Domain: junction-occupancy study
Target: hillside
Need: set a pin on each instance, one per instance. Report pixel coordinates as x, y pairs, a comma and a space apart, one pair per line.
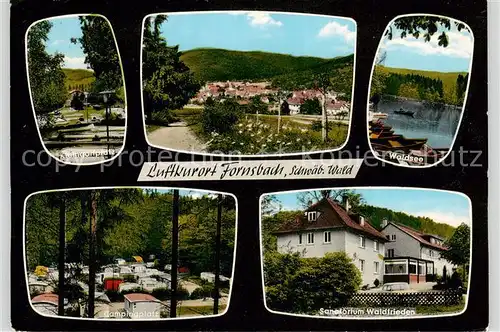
426, 225
448, 79
78, 77
221, 65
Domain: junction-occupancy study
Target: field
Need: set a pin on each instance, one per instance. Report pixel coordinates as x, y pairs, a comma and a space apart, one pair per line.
259, 134
77, 77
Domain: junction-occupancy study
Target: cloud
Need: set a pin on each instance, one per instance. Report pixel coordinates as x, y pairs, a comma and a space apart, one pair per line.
334, 28
260, 19
59, 42
449, 218
75, 63
460, 45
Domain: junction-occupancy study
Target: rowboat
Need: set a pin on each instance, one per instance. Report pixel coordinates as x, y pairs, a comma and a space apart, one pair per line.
381, 134
403, 112
397, 143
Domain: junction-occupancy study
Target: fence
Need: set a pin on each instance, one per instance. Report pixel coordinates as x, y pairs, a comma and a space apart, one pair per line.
406, 299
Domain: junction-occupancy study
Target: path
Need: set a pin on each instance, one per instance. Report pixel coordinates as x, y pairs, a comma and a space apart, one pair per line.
176, 136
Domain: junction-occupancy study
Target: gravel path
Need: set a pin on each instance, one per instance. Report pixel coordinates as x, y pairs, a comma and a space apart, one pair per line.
176, 136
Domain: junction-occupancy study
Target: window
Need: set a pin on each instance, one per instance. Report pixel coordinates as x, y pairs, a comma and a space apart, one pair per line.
421, 268
375, 245
310, 238
413, 267
362, 241
328, 237
375, 267
390, 253
431, 253
393, 237
312, 215
362, 265
396, 267
300, 238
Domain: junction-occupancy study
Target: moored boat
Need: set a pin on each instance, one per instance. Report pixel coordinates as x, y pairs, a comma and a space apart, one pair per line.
397, 143
403, 112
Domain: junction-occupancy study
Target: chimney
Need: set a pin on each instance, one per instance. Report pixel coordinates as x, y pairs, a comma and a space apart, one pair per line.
309, 203
362, 221
384, 222
345, 203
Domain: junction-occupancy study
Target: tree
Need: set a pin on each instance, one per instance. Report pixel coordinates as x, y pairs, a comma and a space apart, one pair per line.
458, 252
168, 83
77, 101
311, 106
101, 53
46, 77
306, 198
323, 84
423, 26
220, 117
304, 285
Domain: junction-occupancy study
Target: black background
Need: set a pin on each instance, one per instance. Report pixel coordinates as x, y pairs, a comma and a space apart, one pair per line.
246, 310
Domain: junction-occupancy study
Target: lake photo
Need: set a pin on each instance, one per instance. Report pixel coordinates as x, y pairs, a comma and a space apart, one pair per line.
419, 89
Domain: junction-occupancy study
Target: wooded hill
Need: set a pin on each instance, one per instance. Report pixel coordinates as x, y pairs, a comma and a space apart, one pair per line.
78, 78
420, 84
211, 64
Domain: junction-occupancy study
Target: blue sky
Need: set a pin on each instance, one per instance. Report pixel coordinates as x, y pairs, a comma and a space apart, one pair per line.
414, 53
293, 34
441, 206
63, 29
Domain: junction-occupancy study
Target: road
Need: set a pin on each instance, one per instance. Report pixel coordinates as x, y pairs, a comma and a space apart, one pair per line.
176, 136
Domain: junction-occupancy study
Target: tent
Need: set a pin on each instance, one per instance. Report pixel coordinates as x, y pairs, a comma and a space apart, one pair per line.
138, 259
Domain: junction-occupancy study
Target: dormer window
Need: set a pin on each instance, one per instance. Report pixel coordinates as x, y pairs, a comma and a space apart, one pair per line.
312, 215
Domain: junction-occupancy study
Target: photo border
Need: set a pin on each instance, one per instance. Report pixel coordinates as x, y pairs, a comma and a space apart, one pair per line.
354, 317
25, 260
249, 155
31, 95
464, 104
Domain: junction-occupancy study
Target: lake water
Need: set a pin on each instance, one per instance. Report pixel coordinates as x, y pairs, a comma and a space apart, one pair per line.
437, 125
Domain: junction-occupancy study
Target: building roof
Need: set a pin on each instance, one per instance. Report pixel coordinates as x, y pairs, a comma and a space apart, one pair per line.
419, 236
46, 298
139, 297
333, 216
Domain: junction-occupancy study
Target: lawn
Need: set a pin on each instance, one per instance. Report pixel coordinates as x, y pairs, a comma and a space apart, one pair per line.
199, 310
439, 309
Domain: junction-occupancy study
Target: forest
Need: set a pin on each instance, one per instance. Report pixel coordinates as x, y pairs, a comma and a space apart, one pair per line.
436, 87
130, 222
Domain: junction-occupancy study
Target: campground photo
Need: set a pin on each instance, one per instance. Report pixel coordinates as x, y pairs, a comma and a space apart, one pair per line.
130, 253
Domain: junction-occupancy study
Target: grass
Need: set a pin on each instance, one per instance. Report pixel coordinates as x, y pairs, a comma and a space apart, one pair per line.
199, 310
439, 309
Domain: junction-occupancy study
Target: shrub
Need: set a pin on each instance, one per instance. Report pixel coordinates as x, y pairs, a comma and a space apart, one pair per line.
220, 117
376, 282
304, 285
206, 290
316, 125
129, 278
163, 117
161, 293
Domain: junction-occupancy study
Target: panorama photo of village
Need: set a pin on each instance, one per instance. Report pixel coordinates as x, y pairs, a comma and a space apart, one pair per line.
247, 83
366, 253
77, 89
129, 253
419, 88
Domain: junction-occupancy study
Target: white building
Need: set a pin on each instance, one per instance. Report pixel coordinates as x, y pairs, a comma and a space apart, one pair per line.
142, 306
422, 253
329, 226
